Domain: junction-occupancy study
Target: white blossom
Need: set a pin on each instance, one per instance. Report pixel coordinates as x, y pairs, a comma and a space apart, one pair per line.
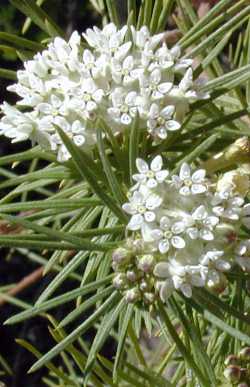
160, 121
150, 176
190, 183
193, 242
114, 78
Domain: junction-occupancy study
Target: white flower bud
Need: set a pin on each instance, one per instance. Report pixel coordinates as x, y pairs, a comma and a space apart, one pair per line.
146, 263
119, 281
132, 295
131, 275
121, 255
234, 181
143, 285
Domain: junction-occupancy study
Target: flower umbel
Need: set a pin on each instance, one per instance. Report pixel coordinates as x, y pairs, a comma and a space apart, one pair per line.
186, 223
69, 86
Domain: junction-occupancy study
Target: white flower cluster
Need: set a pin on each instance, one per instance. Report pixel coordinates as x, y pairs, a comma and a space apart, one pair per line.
124, 73
192, 224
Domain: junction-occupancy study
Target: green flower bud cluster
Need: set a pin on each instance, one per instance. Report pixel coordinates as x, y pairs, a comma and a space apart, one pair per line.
237, 369
134, 273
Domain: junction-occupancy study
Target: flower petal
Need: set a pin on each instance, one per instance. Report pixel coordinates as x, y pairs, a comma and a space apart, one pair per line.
135, 222
163, 246
185, 172
198, 189
141, 165
178, 242
198, 176
156, 164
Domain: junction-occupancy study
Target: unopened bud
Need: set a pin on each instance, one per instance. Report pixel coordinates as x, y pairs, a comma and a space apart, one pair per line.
236, 181
131, 275
239, 151
245, 353
132, 295
119, 281
232, 373
243, 374
143, 285
232, 360
218, 286
120, 255
149, 297
138, 246
146, 263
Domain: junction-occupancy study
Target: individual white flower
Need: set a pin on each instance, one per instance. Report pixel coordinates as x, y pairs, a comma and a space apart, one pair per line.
142, 38
202, 224
152, 85
161, 58
125, 72
243, 255
90, 95
184, 278
141, 206
190, 183
246, 215
109, 40
20, 126
227, 207
167, 235
233, 183
212, 267
124, 106
160, 121
150, 176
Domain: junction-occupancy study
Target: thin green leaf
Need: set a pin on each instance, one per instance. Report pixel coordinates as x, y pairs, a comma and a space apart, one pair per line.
183, 350
113, 182
84, 306
56, 301
59, 235
78, 159
19, 42
103, 332
49, 365
8, 74
122, 337
76, 333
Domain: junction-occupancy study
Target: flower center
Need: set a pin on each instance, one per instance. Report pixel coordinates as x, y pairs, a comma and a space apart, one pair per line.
124, 108
141, 209
150, 174
188, 182
160, 121
168, 234
87, 97
125, 72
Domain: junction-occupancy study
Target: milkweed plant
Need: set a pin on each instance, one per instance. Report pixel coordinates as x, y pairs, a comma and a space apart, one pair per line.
136, 188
